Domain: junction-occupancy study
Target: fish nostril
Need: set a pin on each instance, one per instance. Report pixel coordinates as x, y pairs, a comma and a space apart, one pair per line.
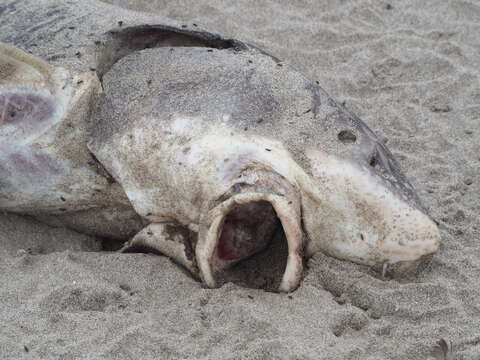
347, 137
372, 159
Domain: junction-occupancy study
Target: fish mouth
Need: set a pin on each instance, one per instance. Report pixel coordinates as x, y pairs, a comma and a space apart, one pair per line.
246, 225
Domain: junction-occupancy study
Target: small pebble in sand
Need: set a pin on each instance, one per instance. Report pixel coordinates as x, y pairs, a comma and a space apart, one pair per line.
459, 215
440, 108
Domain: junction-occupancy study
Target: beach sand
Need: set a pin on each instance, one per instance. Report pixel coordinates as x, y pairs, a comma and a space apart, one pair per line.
411, 71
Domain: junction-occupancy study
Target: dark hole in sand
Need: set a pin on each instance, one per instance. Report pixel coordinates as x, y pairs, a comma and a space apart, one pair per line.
261, 245
108, 244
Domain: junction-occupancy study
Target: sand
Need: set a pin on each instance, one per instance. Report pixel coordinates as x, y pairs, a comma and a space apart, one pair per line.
410, 70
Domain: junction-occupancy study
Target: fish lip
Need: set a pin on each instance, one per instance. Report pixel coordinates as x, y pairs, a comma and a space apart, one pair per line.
290, 220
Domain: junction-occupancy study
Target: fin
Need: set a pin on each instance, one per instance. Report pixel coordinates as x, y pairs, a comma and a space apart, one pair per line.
171, 240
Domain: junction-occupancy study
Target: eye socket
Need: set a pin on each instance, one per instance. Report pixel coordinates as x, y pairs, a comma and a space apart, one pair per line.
372, 159
347, 137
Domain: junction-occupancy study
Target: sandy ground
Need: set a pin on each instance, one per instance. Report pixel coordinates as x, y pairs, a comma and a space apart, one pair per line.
410, 69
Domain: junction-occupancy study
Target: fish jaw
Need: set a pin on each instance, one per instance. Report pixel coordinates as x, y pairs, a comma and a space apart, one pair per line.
210, 252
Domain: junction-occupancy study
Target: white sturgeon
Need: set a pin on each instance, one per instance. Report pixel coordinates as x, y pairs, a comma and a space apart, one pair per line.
193, 144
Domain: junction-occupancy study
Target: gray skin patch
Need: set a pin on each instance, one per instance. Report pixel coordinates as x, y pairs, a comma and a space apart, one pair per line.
259, 98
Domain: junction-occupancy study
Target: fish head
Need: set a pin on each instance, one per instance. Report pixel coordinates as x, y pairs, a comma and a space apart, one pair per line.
344, 207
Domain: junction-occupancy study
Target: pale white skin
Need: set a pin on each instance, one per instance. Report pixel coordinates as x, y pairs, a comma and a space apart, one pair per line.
178, 172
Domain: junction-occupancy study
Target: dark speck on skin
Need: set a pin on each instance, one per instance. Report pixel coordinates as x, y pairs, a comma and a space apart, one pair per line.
209, 50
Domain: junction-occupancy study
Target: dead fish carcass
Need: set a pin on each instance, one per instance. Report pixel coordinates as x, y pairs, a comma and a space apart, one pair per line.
201, 147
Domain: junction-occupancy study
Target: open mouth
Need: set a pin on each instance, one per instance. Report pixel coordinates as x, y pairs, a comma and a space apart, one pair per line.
245, 253
254, 240
246, 230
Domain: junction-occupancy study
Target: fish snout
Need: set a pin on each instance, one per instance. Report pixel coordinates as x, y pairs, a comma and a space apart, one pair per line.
414, 238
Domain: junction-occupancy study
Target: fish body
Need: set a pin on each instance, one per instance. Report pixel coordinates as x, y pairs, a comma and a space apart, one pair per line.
201, 147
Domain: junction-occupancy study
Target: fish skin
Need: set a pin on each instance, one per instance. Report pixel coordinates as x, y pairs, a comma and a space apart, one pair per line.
185, 126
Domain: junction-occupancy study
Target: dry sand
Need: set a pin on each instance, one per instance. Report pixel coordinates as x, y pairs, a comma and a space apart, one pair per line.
410, 69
